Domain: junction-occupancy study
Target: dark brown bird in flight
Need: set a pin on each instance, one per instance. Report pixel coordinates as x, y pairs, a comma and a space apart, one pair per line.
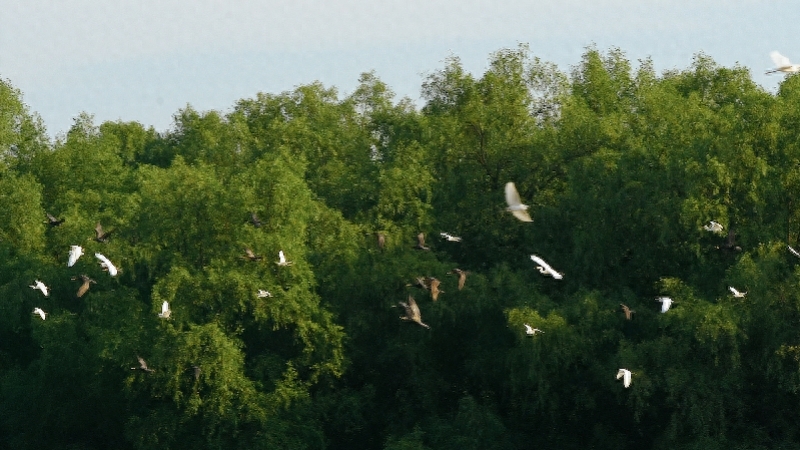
255, 221
628, 312
249, 255
85, 286
100, 235
52, 221
730, 242
434, 285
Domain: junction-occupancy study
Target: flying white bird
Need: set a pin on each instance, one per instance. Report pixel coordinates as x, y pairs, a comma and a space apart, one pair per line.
106, 264
515, 205
39, 311
782, 64
545, 268
263, 294
625, 374
793, 251
714, 227
282, 260
40, 286
165, 311
736, 293
75, 252
666, 302
450, 237
531, 331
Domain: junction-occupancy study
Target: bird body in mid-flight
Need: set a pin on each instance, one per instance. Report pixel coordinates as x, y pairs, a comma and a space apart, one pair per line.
282, 260
85, 286
421, 242
545, 268
100, 235
263, 294
434, 283
714, 227
782, 64
666, 303
41, 286
412, 312
628, 312
41, 313
530, 331
165, 311
449, 237
142, 365
106, 264
75, 252
515, 206
736, 293
793, 251
462, 277
625, 374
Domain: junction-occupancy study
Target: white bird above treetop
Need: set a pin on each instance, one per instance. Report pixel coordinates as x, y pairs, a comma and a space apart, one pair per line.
515, 205
545, 268
625, 374
40, 286
666, 302
75, 252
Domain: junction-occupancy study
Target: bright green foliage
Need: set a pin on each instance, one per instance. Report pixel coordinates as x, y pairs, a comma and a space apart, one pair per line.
621, 167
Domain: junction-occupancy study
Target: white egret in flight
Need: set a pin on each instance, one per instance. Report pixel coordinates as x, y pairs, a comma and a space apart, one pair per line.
545, 268
793, 251
714, 227
165, 311
666, 302
40, 286
736, 293
625, 374
105, 263
75, 252
782, 64
450, 237
530, 331
515, 205
282, 260
39, 311
263, 294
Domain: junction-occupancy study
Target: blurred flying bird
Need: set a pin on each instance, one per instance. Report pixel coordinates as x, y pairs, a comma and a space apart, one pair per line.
793, 251
782, 64
714, 227
263, 294
412, 312
100, 235
730, 242
142, 365
420, 282
625, 374
530, 331
249, 255
736, 293
105, 263
381, 240
282, 260
450, 237
421, 242
628, 312
40, 286
39, 311
434, 285
75, 252
666, 303
85, 286
462, 277
52, 221
255, 221
165, 311
515, 203
545, 268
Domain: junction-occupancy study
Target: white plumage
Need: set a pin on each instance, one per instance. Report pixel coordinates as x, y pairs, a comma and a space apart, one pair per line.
625, 374
782, 64
165, 311
263, 294
736, 293
714, 227
793, 251
40, 286
545, 268
450, 237
530, 331
41, 313
282, 260
106, 264
515, 205
75, 252
666, 302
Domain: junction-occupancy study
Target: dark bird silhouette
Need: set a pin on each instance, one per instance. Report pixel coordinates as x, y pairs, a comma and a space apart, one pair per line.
730, 243
249, 255
85, 286
52, 221
412, 312
462, 277
628, 312
142, 365
100, 235
255, 221
421, 242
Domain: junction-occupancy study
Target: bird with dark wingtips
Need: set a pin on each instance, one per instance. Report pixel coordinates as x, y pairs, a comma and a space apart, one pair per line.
250, 256
85, 286
142, 365
412, 312
434, 285
628, 312
100, 235
462, 277
255, 220
421, 242
52, 221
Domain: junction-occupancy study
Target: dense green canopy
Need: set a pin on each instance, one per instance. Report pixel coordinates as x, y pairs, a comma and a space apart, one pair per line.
621, 166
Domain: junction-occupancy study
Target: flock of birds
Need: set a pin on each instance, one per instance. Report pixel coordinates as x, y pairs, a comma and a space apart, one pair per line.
519, 210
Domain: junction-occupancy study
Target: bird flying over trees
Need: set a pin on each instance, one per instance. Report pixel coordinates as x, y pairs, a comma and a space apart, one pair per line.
434, 285
412, 312
106, 264
85, 286
421, 242
142, 365
41, 313
666, 303
75, 252
530, 331
628, 312
449, 237
714, 227
462, 277
782, 64
165, 311
250, 256
736, 293
52, 221
515, 205
625, 374
40, 286
545, 268
100, 235
282, 260
255, 220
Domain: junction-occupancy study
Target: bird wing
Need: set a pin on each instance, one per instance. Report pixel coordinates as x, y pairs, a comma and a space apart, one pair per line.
51, 218
620, 373
164, 307
98, 230
627, 380
74, 253
512, 196
281, 256
544, 265
794, 252
522, 215
421, 239
779, 60
416, 316
462, 279
84, 287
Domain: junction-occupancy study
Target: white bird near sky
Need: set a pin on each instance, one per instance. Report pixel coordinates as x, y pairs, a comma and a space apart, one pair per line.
666, 302
41, 313
530, 331
282, 260
736, 293
165, 311
450, 237
105, 263
40, 286
75, 252
625, 374
515, 205
545, 268
263, 294
782, 64
793, 251
714, 227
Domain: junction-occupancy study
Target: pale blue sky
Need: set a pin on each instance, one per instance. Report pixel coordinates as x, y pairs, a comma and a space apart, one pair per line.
143, 60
